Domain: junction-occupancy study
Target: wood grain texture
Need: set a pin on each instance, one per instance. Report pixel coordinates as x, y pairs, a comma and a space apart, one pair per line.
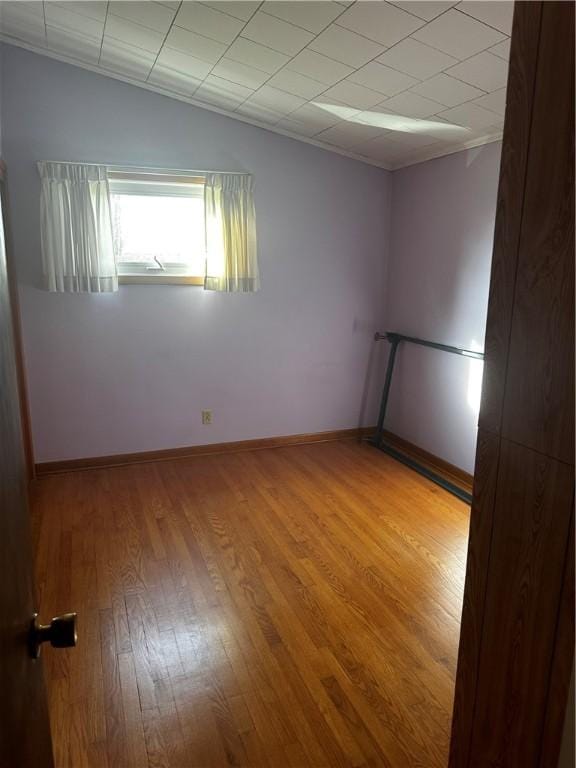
539, 407
532, 516
513, 165
562, 665
122, 459
479, 543
23, 709
26, 424
517, 635
289, 607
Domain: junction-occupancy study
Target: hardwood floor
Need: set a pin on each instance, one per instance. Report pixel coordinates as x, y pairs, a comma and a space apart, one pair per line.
288, 607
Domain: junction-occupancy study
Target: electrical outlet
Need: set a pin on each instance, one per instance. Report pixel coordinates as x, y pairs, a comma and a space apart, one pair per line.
206, 417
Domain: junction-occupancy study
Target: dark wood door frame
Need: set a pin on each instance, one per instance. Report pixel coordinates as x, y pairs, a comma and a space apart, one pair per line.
517, 637
24, 723
17, 326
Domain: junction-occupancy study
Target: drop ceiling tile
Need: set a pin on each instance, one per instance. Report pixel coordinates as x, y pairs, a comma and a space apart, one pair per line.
447, 131
502, 49
240, 9
277, 34
469, 116
308, 68
24, 21
133, 34
297, 84
223, 93
495, 14
399, 124
240, 73
172, 80
73, 44
295, 126
209, 22
499, 124
346, 135
383, 79
259, 113
447, 90
255, 55
315, 117
335, 108
183, 63
382, 148
407, 140
33, 8
410, 105
416, 59
495, 102
426, 9
458, 35
345, 46
201, 47
319, 67
353, 95
379, 21
312, 16
484, 71
148, 14
73, 23
275, 100
125, 59
95, 9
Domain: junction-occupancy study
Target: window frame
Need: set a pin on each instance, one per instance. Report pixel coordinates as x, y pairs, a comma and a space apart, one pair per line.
115, 181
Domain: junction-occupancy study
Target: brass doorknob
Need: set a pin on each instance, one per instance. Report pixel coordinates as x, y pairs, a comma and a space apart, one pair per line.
60, 633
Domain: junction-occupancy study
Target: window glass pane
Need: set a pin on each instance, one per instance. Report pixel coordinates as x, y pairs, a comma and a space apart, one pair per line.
158, 228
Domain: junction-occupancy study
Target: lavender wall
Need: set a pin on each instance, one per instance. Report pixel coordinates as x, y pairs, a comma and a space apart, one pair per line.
131, 371
441, 250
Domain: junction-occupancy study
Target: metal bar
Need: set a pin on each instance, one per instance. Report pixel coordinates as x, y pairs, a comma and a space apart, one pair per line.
433, 344
395, 339
446, 484
386, 391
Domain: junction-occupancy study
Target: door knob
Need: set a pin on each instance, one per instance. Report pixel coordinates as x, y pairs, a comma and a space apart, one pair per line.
60, 633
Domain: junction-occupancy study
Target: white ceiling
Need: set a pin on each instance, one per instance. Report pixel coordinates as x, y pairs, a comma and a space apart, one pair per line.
392, 83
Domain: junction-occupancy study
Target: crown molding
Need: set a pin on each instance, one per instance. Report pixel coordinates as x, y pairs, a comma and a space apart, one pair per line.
433, 154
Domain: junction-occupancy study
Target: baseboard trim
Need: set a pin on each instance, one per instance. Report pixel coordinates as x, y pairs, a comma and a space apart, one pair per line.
144, 457
444, 469
439, 466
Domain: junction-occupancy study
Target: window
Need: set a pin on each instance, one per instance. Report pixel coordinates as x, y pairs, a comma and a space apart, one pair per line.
158, 227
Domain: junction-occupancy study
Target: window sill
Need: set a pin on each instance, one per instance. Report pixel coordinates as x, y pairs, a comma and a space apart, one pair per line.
159, 280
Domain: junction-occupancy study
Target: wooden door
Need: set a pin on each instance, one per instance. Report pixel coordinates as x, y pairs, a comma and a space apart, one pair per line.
517, 636
24, 725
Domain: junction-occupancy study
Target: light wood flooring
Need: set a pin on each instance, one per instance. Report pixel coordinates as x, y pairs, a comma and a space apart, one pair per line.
286, 607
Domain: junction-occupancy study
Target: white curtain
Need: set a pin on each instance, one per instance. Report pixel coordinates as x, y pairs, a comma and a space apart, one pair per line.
76, 227
231, 262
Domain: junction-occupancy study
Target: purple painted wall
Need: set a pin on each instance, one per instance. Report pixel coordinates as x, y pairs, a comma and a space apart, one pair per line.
132, 371
442, 228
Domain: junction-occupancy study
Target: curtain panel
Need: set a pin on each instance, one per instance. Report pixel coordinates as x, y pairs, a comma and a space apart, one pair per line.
76, 229
231, 260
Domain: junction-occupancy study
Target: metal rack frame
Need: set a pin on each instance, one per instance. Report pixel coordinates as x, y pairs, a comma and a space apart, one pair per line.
377, 441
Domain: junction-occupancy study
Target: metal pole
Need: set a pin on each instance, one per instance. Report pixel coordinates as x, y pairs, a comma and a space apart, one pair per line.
432, 344
394, 341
